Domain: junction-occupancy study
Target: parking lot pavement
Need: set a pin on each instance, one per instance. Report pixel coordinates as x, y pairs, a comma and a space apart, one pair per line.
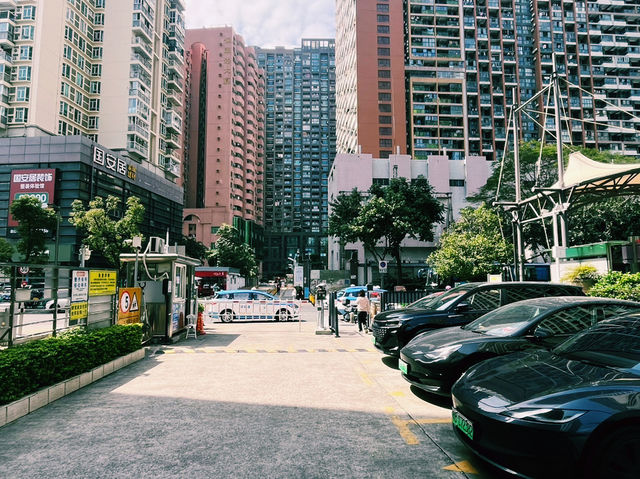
257, 399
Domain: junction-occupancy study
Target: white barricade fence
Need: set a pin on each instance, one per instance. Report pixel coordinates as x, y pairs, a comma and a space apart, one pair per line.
226, 310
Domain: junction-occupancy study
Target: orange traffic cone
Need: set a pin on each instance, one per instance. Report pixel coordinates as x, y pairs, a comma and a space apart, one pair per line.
200, 324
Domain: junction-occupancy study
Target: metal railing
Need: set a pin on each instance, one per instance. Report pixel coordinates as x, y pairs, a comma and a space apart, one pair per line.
36, 302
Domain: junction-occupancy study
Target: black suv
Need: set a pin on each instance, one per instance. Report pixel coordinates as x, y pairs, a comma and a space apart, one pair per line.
392, 330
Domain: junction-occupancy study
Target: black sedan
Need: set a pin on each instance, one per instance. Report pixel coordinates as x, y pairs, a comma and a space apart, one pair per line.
434, 360
570, 412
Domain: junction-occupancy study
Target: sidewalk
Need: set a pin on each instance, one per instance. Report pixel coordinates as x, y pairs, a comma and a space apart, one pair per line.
258, 399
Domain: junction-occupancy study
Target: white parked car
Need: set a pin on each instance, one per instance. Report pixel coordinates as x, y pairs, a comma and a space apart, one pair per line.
240, 304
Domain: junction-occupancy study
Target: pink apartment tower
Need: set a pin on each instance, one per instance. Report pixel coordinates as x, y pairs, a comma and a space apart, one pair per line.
224, 151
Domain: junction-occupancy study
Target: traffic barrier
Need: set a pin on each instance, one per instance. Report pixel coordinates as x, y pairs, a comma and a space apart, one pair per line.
239, 310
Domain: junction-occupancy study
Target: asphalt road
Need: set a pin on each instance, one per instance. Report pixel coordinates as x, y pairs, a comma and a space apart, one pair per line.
259, 399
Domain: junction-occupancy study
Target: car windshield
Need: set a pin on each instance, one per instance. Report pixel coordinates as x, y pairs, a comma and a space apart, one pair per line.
507, 320
614, 343
442, 301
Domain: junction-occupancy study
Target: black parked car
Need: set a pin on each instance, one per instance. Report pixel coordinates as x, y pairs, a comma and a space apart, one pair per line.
392, 330
434, 360
571, 412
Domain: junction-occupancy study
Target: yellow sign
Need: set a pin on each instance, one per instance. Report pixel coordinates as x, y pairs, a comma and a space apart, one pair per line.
102, 283
78, 311
129, 305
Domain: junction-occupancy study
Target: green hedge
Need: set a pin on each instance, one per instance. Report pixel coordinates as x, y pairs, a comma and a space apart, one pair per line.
26, 368
618, 285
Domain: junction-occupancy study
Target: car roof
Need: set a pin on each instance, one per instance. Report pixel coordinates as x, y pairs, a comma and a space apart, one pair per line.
559, 302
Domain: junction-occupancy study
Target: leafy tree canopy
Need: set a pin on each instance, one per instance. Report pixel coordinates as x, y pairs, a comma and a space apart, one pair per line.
471, 247
104, 232
35, 225
232, 252
194, 248
391, 213
6, 251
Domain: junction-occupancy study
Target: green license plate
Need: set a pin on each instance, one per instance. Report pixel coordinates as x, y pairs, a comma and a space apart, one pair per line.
402, 366
373, 339
462, 423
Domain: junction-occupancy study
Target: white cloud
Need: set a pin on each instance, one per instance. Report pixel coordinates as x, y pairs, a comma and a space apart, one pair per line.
266, 23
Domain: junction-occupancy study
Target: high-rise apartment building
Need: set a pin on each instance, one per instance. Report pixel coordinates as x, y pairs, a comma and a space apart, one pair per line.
111, 71
90, 99
466, 63
370, 81
300, 147
226, 137
597, 46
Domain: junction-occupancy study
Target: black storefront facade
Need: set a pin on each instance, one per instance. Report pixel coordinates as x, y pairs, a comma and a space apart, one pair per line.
84, 170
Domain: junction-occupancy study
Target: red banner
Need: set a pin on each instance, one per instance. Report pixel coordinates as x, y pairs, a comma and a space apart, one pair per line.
38, 183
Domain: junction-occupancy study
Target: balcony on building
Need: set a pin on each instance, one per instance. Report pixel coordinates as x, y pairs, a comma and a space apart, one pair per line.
141, 46
174, 98
172, 121
172, 140
138, 59
7, 27
175, 83
142, 28
137, 148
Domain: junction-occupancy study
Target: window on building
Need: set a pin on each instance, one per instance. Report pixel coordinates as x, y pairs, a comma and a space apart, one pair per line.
384, 52
384, 120
384, 73
28, 12
26, 33
386, 143
384, 85
457, 183
383, 18
383, 28
382, 7
383, 40
24, 73
384, 96
26, 52
384, 62
384, 107
385, 131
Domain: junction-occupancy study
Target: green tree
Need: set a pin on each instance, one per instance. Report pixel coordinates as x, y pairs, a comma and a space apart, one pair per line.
392, 213
6, 251
232, 252
344, 211
35, 225
104, 232
471, 247
194, 248
612, 218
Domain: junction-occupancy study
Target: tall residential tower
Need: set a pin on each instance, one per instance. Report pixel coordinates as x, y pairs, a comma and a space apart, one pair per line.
300, 147
226, 137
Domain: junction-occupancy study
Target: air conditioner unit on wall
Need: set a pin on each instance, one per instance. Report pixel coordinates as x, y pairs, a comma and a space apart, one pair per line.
156, 245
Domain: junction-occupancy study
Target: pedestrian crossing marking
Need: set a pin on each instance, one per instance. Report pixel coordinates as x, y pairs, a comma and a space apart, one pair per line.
213, 350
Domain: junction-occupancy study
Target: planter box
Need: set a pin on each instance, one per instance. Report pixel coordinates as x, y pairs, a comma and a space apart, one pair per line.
12, 411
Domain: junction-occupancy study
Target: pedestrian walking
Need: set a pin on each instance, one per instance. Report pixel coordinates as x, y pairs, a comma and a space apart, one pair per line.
362, 306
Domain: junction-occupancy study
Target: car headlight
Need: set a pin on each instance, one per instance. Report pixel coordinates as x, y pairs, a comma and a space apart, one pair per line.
441, 353
546, 415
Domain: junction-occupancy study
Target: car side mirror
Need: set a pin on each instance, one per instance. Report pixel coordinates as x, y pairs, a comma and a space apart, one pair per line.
462, 308
542, 333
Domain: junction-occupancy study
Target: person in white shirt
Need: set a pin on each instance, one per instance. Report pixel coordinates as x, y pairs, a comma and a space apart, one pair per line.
362, 306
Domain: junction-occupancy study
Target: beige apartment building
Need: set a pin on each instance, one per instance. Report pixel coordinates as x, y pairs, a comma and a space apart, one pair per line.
112, 71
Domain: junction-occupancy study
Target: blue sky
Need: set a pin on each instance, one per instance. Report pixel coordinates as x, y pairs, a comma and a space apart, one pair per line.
266, 23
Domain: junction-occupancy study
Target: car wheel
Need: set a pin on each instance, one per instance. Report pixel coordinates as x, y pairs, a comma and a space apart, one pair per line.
227, 316
283, 315
619, 455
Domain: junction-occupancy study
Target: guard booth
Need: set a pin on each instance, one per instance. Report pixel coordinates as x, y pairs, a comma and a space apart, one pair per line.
169, 292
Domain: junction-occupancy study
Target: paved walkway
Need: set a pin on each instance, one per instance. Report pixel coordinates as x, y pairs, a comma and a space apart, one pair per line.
258, 399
